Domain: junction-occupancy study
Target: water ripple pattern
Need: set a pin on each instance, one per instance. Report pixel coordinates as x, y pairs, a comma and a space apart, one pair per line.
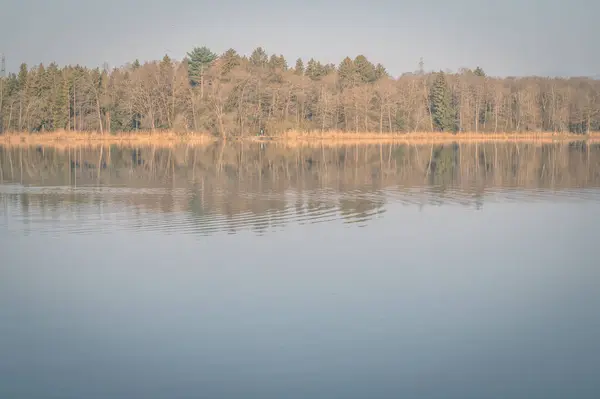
260, 189
54, 210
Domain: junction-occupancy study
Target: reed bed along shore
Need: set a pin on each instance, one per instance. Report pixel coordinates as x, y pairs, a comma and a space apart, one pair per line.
161, 138
291, 138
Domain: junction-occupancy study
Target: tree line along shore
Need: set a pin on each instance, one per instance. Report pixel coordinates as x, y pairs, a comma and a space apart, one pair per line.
230, 95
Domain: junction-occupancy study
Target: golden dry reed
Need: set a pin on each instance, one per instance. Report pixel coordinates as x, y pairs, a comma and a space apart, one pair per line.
65, 137
330, 138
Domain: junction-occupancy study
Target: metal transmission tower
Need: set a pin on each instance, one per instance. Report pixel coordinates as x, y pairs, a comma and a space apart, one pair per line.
2, 76
2, 66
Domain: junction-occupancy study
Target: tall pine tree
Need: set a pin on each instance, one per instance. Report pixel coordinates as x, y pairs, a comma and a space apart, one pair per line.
315, 70
365, 70
442, 113
199, 60
347, 73
299, 69
61, 104
259, 57
229, 60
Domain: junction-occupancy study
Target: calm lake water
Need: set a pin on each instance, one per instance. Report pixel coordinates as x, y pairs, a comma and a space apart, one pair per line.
260, 271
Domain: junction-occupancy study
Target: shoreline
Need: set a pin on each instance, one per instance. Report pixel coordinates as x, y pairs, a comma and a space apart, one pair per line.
290, 138
421, 138
87, 138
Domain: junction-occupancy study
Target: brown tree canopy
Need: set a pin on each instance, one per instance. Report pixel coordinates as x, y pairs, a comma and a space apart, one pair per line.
234, 95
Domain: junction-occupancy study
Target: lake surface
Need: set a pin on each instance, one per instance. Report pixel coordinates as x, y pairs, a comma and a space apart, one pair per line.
263, 271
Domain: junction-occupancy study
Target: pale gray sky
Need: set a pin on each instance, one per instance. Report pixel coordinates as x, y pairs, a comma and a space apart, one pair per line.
509, 37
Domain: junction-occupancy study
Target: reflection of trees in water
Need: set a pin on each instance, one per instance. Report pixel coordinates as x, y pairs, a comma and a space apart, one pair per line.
260, 187
360, 209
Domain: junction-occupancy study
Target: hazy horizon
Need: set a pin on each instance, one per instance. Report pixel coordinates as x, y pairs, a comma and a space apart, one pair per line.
548, 38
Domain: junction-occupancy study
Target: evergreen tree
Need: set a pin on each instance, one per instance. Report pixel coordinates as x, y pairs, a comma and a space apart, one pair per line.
347, 73
381, 72
479, 72
166, 62
36, 93
12, 84
365, 70
299, 69
60, 109
259, 57
136, 64
277, 62
52, 87
229, 60
34, 82
441, 104
315, 70
329, 68
283, 62
22, 77
199, 60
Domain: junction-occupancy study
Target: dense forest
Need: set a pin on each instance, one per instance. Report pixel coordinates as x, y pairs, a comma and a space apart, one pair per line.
234, 95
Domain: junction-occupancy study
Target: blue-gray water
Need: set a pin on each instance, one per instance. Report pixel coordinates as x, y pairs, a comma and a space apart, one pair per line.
249, 272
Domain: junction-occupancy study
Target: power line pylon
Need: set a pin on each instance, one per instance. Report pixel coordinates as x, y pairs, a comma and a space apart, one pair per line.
2, 66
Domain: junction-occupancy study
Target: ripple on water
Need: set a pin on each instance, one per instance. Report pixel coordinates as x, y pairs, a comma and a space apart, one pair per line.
104, 210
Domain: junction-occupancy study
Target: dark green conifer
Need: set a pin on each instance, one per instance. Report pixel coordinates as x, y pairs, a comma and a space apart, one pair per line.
441, 104
199, 60
299, 69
